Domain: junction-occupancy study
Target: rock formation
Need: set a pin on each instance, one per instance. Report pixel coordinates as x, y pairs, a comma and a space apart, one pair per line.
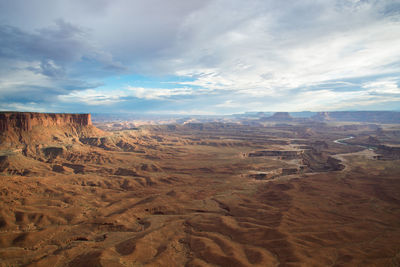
283, 154
279, 116
25, 121
322, 116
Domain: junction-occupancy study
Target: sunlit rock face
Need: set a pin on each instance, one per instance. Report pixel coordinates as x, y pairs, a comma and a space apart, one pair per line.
26, 120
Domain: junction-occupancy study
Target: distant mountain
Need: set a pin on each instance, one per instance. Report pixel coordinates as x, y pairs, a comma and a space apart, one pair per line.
345, 116
279, 116
302, 114
359, 116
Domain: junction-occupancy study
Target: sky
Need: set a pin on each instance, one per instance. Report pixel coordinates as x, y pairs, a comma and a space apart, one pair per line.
206, 57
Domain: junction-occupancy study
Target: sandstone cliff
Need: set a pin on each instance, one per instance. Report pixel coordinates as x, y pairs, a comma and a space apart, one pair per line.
25, 121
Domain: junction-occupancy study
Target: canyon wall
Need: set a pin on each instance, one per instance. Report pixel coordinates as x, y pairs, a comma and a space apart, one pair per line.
25, 121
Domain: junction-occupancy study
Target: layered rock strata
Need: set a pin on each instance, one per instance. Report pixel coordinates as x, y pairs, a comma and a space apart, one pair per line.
25, 121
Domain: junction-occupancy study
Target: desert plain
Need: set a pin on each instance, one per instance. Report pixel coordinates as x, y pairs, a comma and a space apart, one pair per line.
298, 193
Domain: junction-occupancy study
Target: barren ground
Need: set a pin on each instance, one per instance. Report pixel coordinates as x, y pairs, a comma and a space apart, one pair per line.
194, 196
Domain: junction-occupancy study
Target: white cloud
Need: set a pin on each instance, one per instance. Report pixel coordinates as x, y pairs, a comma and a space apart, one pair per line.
93, 97
383, 86
17, 74
108, 96
243, 55
272, 58
28, 107
159, 93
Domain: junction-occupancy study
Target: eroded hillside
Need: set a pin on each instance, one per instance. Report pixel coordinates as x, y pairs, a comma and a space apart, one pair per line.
213, 194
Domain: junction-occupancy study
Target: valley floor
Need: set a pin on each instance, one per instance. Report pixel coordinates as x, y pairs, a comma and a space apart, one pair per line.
201, 197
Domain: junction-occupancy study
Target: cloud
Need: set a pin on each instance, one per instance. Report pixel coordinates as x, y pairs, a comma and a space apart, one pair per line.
107, 97
226, 55
159, 93
62, 43
92, 97
384, 86
40, 65
286, 50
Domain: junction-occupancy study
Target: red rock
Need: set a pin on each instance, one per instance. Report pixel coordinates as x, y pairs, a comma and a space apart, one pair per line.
26, 120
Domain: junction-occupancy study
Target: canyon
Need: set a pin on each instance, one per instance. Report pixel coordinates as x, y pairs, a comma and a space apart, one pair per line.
275, 192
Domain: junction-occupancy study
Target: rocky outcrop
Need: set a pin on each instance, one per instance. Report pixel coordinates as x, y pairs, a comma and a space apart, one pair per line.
388, 152
279, 116
25, 121
272, 174
53, 152
322, 116
317, 161
108, 143
283, 154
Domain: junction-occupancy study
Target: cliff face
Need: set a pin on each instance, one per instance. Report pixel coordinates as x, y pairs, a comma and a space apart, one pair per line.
25, 121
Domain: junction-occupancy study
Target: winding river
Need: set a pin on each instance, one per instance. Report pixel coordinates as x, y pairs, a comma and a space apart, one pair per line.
342, 142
